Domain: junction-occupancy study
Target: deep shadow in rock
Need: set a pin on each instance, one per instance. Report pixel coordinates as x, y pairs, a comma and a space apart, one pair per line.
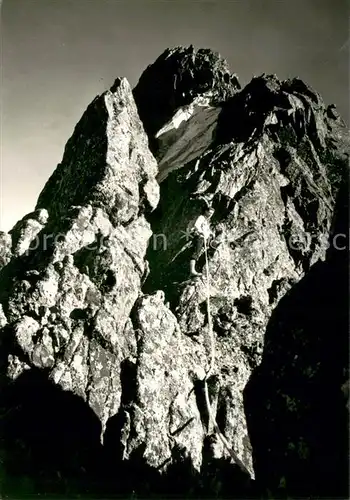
296, 410
174, 479
50, 441
221, 478
50, 448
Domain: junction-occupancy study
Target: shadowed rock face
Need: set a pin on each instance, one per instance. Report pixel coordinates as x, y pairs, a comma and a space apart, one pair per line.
102, 317
295, 400
50, 440
175, 79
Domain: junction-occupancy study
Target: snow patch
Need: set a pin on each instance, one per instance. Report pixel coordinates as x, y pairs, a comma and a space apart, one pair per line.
186, 136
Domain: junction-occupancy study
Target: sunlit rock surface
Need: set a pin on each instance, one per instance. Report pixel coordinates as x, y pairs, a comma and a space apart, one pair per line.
104, 335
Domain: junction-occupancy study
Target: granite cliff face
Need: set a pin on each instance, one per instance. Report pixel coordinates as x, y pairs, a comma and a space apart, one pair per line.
105, 339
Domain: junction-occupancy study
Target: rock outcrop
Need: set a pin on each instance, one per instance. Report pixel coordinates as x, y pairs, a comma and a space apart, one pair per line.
271, 179
78, 261
175, 79
296, 404
100, 318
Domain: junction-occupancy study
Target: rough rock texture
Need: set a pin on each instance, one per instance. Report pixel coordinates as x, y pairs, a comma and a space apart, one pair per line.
103, 353
297, 413
271, 180
5, 249
175, 79
67, 302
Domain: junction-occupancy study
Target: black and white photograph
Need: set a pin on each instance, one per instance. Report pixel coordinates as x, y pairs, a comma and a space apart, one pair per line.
174, 249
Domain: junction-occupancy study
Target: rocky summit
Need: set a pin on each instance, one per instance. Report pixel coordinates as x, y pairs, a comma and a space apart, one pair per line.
124, 376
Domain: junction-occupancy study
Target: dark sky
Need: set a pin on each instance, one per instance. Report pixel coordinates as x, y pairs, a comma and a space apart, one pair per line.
58, 54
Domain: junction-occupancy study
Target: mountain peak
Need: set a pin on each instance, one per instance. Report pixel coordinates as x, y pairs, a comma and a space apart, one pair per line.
107, 332
177, 77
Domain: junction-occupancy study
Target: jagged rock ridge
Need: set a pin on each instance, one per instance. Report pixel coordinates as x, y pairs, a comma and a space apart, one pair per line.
175, 79
77, 313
